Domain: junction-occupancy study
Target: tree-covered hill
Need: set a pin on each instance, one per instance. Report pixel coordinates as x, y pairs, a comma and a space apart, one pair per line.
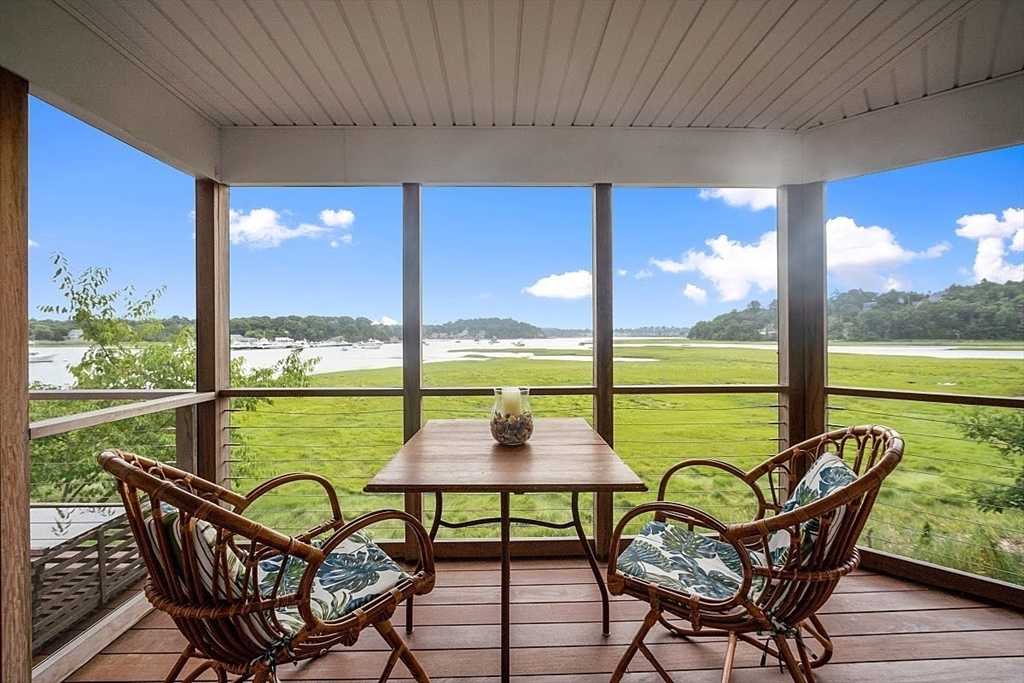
502, 328
985, 311
754, 323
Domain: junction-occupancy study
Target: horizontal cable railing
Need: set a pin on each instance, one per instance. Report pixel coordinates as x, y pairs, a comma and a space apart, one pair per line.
349, 434
954, 500
344, 438
654, 432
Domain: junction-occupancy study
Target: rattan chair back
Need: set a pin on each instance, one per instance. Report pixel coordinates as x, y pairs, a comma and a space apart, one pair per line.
203, 558
796, 588
790, 555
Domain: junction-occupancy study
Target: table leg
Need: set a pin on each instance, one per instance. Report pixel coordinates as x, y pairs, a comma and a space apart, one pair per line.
438, 505
578, 524
506, 532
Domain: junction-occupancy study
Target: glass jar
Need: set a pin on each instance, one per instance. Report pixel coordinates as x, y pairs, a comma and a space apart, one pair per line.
511, 417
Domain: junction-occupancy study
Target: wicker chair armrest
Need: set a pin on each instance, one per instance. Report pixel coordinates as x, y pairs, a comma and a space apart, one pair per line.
423, 578
719, 465
292, 477
690, 516
425, 547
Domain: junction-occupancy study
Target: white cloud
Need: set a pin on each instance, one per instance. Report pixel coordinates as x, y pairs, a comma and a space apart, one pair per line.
755, 199
643, 274
733, 267
992, 234
32, 243
893, 283
623, 272
344, 239
859, 256
262, 228
695, 293
572, 285
385, 320
342, 218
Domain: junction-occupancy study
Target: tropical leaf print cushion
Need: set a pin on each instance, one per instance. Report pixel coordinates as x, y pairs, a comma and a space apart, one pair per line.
356, 572
828, 474
685, 561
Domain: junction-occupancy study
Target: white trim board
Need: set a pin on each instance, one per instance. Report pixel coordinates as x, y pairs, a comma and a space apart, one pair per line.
92, 641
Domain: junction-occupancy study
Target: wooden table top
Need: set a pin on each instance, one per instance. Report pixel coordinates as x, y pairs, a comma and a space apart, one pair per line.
460, 456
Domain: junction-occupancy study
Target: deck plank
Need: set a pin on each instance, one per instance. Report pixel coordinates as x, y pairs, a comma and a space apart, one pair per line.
884, 629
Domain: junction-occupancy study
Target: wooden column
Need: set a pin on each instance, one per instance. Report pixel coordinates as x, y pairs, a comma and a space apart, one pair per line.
213, 351
412, 332
604, 381
185, 438
15, 583
802, 311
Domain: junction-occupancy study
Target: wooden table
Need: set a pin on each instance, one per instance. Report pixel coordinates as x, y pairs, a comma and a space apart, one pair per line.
565, 455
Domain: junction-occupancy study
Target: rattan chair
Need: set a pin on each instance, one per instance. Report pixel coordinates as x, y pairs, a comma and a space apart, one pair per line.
247, 597
768, 576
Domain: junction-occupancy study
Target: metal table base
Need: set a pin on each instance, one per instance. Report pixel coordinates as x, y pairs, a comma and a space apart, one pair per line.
506, 521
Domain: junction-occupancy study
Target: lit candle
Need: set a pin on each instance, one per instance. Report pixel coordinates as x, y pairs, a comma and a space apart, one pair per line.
511, 401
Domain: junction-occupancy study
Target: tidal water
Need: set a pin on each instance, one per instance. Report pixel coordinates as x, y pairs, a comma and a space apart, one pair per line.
336, 359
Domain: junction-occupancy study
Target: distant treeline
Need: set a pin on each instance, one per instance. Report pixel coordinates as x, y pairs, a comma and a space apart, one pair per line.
650, 331
322, 328
502, 328
58, 330
314, 328
983, 311
987, 311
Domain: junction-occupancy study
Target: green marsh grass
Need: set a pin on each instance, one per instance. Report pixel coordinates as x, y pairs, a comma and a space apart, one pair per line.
926, 509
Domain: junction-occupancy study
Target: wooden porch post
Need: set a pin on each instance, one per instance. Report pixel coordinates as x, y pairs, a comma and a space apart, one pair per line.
412, 333
213, 351
802, 311
604, 381
15, 585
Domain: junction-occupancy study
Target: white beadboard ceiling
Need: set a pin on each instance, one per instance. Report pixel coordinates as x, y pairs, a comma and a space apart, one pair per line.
787, 65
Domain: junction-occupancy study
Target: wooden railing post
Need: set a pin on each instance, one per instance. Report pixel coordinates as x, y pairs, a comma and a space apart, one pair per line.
213, 351
15, 582
802, 312
412, 334
101, 564
604, 381
185, 438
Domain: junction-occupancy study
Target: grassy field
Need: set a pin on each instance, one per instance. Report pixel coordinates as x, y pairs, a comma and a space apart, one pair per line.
926, 509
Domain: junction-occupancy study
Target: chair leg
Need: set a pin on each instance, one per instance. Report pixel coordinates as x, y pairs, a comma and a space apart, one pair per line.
791, 662
172, 675
263, 674
401, 651
674, 630
805, 660
386, 674
817, 630
730, 655
638, 644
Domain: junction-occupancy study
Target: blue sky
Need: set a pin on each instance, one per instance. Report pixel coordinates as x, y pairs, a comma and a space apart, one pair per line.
681, 255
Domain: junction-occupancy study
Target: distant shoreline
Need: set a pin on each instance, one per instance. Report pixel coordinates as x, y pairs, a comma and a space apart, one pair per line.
579, 349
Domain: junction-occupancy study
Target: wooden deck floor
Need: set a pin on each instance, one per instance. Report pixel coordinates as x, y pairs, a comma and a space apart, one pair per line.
884, 629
